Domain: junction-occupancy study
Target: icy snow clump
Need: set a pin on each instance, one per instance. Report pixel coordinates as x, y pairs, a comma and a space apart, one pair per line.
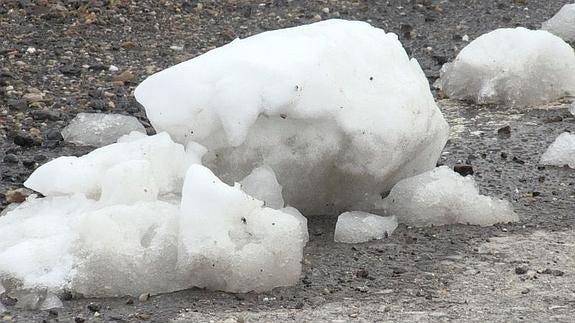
358, 227
561, 152
518, 67
96, 129
337, 109
262, 184
115, 222
442, 196
231, 242
563, 23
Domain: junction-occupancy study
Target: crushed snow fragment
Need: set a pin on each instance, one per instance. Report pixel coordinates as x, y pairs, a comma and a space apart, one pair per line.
358, 227
262, 184
518, 67
337, 109
51, 302
561, 152
442, 196
96, 129
563, 23
238, 245
113, 68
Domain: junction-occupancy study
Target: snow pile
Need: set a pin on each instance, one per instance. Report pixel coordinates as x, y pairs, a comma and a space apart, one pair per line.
358, 227
561, 152
111, 225
239, 245
563, 23
95, 129
336, 108
511, 66
442, 196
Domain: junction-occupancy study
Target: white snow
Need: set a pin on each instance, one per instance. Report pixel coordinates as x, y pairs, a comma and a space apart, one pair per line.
96, 129
561, 152
119, 168
262, 184
442, 196
50, 302
358, 227
563, 23
119, 229
337, 109
237, 245
518, 67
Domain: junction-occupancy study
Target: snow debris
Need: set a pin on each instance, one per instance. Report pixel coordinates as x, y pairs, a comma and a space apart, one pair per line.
50, 302
442, 196
561, 152
336, 108
563, 23
96, 129
358, 227
518, 67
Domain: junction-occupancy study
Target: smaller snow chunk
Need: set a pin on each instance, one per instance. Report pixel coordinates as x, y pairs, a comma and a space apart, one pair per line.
561, 152
358, 227
95, 129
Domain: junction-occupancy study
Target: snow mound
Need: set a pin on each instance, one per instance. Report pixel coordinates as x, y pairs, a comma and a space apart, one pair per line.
358, 227
239, 245
262, 184
126, 228
337, 109
442, 196
563, 23
96, 129
561, 152
518, 67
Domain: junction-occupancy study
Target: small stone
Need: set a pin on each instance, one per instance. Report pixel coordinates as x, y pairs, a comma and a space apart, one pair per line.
504, 133
54, 134
362, 273
113, 68
31, 50
24, 140
79, 319
124, 77
94, 307
521, 270
554, 272
325, 10
299, 305
45, 115
316, 18
464, 170
525, 291
11, 159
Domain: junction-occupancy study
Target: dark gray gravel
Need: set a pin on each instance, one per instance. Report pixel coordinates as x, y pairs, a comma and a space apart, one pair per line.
461, 273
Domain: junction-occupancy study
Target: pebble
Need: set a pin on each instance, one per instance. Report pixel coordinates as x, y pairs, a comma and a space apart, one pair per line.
11, 159
94, 307
24, 140
144, 297
17, 195
464, 170
113, 68
521, 270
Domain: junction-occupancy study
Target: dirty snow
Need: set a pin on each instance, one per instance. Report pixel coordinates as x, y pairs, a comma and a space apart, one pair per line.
358, 227
518, 67
442, 196
337, 109
563, 23
95, 129
561, 152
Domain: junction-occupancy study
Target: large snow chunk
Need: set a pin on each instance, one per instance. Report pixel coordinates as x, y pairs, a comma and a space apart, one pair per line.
511, 66
96, 129
262, 184
83, 245
337, 109
231, 242
563, 23
162, 165
442, 196
358, 227
561, 152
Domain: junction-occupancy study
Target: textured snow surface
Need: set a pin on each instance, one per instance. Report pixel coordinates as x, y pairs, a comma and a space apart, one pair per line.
513, 67
262, 184
119, 229
357, 227
561, 152
563, 23
442, 196
337, 109
238, 245
95, 129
